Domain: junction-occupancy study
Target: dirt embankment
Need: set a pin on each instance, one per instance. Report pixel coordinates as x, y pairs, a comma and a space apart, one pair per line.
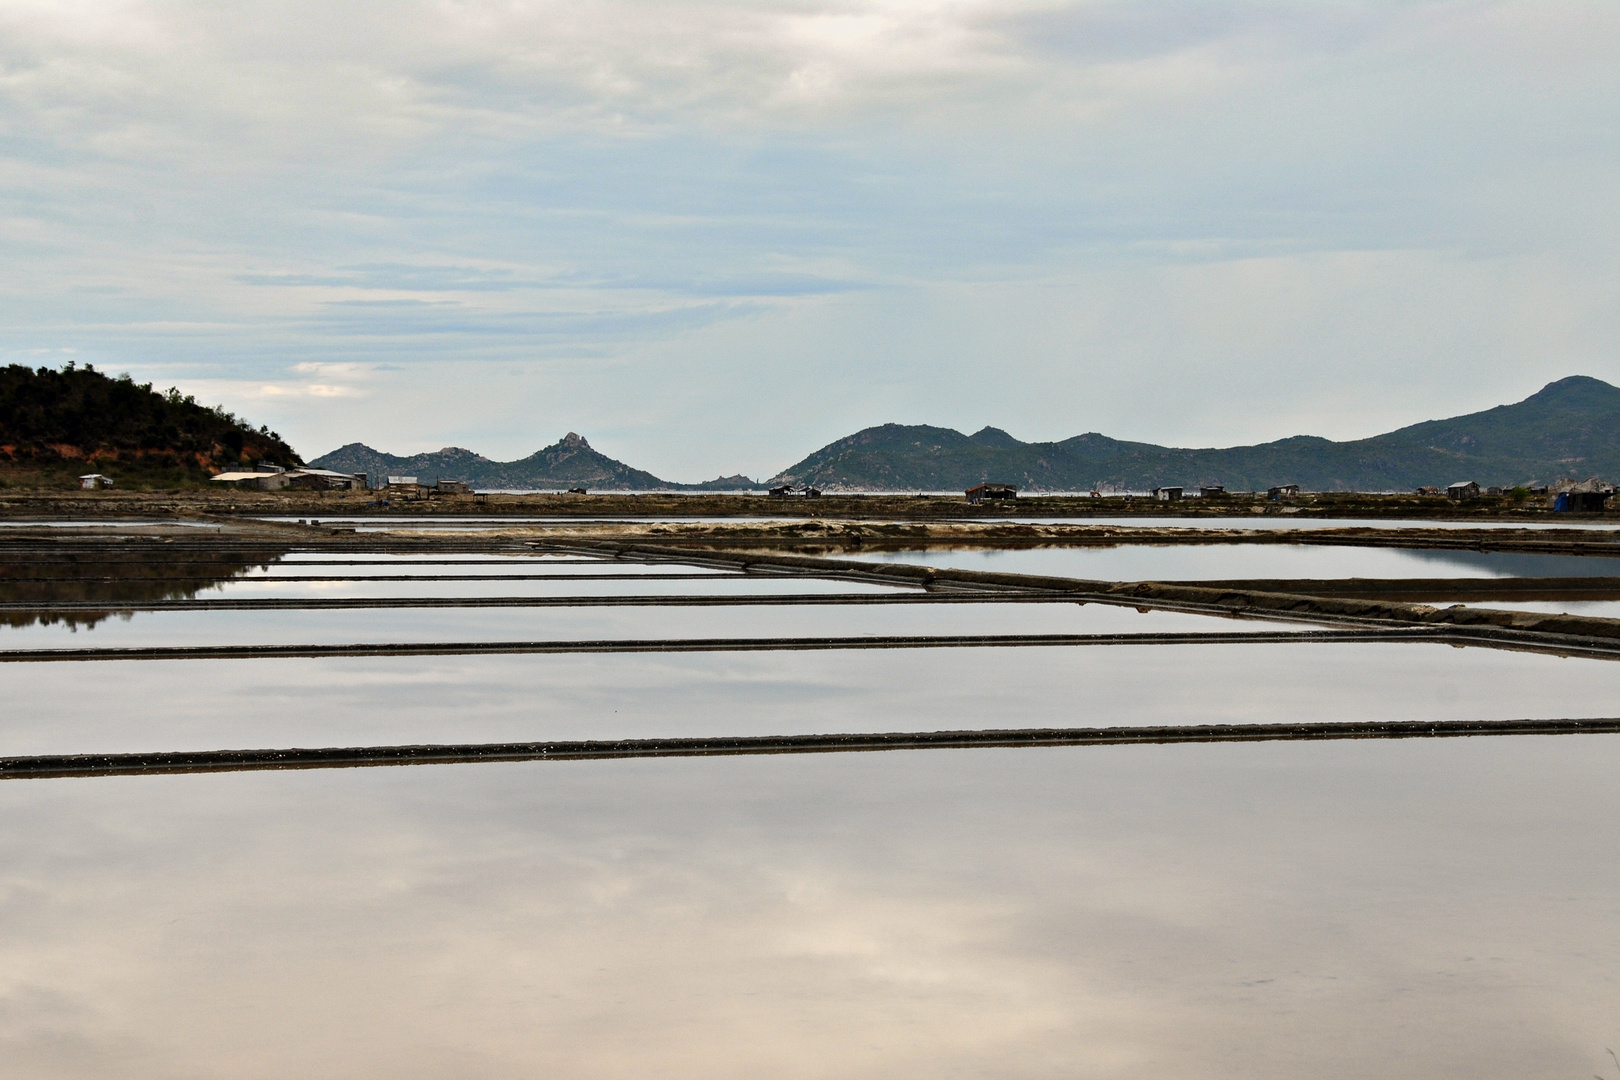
814, 536
1566, 634
18, 501
831, 537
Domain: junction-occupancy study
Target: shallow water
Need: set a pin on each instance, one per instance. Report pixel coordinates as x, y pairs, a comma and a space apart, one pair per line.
736, 585
132, 706
1179, 562
1343, 910
1422, 908
319, 627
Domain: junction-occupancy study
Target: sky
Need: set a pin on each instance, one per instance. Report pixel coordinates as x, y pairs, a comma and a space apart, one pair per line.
712, 237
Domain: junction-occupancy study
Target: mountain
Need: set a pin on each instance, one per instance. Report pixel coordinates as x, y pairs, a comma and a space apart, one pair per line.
78, 420
570, 462
1569, 427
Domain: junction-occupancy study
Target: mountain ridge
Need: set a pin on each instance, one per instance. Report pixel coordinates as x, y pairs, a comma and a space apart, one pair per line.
1568, 427
569, 462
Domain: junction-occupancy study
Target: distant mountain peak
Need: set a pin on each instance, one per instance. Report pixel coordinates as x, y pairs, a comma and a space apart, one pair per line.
1575, 389
993, 436
569, 462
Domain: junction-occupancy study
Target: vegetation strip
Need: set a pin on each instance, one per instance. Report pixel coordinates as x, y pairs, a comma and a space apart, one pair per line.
49, 766
633, 645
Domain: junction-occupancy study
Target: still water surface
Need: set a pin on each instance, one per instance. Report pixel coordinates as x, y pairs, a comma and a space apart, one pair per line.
1171, 562
1254, 912
217, 704
317, 627
1347, 909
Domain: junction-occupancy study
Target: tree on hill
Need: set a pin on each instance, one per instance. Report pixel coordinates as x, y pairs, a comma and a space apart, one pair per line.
53, 421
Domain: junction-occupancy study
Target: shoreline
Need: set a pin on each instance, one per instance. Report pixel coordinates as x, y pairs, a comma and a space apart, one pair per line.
110, 505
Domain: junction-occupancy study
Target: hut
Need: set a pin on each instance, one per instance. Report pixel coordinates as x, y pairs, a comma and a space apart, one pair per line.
989, 493
1282, 491
263, 481
407, 486
1167, 494
453, 487
325, 480
1588, 497
1462, 489
95, 481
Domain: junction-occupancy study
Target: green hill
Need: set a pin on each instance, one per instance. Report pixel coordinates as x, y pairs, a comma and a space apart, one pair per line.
58, 423
1569, 428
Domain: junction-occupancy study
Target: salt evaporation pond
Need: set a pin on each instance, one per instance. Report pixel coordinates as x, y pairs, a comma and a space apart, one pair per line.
1412, 910
1421, 908
1194, 562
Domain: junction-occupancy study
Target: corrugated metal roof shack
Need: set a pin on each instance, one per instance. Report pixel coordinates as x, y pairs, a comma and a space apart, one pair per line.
1462, 489
1581, 502
1590, 496
986, 492
274, 479
406, 487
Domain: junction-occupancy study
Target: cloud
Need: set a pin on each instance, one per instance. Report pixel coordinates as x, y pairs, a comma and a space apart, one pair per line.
698, 196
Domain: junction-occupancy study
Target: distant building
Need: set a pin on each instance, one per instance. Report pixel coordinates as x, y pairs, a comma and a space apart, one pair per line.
1428, 491
1590, 496
1167, 494
1462, 489
406, 487
990, 492
263, 480
1580, 502
789, 491
1209, 491
94, 481
1282, 491
578, 491
453, 487
275, 478
1494, 491
1590, 484
326, 480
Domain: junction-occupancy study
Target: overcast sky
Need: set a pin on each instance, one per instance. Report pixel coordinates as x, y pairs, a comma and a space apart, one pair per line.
712, 237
